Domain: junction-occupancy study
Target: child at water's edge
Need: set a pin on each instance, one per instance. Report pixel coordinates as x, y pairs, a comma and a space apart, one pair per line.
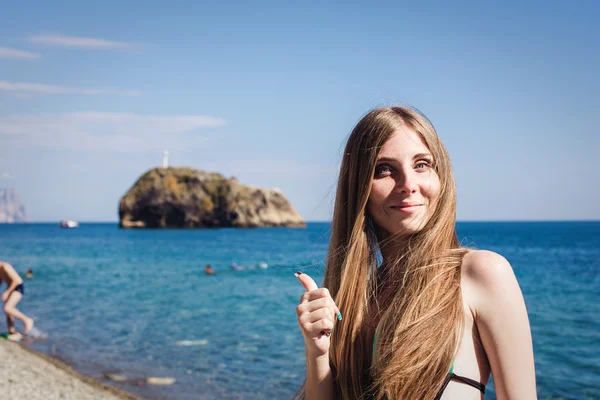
11, 297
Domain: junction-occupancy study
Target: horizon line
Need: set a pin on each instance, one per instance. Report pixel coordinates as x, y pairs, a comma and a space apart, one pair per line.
318, 221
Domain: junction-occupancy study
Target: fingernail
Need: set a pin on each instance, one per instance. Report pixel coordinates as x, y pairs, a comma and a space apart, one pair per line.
298, 274
339, 316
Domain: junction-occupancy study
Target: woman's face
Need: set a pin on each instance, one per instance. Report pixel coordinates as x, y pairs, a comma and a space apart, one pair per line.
405, 186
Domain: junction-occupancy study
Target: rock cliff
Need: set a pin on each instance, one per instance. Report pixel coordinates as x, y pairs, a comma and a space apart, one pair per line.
11, 208
188, 198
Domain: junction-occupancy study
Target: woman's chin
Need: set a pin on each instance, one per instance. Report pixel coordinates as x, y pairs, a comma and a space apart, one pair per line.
406, 228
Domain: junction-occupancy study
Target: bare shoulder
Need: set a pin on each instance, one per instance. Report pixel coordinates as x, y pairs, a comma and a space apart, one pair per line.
6, 269
488, 276
500, 314
5, 266
484, 268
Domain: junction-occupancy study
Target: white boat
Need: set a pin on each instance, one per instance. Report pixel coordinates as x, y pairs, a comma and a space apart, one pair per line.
69, 224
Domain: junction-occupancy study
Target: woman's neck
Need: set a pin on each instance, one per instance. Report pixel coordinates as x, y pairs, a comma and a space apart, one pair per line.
393, 247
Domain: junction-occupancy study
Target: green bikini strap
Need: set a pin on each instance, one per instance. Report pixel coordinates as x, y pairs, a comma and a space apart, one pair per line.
375, 344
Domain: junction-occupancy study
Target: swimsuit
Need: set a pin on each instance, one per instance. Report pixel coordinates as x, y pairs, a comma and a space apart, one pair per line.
468, 381
20, 288
451, 375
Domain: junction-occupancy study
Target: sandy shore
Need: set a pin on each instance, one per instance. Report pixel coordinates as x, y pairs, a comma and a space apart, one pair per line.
26, 374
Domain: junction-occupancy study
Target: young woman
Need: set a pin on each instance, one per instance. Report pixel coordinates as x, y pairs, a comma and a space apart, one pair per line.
423, 317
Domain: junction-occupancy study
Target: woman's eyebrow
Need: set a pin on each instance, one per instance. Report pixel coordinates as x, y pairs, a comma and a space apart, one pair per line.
386, 159
415, 157
422, 155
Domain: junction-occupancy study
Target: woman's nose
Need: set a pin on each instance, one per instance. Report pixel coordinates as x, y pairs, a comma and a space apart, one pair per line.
406, 182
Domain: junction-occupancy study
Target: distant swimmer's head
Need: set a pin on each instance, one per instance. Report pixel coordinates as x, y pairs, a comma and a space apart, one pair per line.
208, 270
29, 273
395, 172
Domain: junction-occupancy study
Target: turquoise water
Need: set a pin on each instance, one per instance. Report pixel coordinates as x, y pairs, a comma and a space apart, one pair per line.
137, 302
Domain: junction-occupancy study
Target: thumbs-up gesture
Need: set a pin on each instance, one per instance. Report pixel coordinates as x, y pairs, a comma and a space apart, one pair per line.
317, 314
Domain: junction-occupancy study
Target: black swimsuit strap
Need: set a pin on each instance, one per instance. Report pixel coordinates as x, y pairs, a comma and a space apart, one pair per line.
462, 379
446, 382
469, 381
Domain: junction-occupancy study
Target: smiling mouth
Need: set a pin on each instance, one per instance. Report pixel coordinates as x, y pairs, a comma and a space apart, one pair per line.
407, 208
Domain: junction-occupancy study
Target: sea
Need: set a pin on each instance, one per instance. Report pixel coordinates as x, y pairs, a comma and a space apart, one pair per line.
124, 305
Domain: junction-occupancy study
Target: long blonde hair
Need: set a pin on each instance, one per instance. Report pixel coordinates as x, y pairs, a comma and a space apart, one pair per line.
422, 317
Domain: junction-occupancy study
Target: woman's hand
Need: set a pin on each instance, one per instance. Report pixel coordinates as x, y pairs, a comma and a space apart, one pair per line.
317, 314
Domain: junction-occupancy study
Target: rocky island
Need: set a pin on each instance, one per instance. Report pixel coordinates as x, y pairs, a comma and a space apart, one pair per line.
11, 208
189, 198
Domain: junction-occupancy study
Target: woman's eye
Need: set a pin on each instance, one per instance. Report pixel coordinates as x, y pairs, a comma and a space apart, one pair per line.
382, 169
422, 165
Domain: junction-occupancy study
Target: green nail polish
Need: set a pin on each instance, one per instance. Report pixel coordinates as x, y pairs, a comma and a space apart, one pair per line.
339, 316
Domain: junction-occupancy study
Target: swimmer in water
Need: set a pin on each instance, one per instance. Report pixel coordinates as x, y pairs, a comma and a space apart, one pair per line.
236, 267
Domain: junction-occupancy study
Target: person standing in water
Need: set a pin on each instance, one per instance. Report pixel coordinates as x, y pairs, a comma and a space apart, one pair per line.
11, 297
424, 317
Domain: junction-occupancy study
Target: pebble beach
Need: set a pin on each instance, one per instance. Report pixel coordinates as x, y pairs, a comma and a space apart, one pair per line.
27, 374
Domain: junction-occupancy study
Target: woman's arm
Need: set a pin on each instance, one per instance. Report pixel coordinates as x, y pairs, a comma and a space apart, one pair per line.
319, 382
501, 318
317, 314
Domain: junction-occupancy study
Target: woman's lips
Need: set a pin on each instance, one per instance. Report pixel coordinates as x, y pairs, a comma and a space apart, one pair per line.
407, 208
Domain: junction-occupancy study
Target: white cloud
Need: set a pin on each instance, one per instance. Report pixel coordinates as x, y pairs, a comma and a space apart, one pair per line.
103, 131
6, 52
78, 42
23, 89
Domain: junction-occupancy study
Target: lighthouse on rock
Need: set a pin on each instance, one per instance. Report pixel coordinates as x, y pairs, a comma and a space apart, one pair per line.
165, 159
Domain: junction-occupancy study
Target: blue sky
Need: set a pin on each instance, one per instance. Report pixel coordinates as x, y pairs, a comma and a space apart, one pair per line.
91, 93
